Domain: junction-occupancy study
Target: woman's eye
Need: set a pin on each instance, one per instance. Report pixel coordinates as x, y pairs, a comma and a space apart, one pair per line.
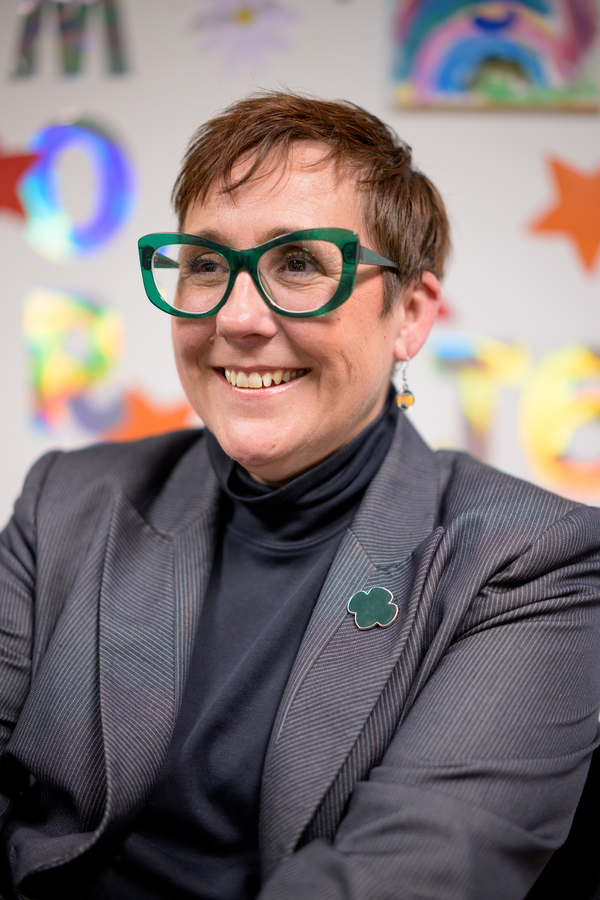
300, 263
297, 265
203, 265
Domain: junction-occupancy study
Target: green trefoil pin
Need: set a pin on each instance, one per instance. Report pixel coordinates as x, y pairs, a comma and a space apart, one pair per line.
375, 608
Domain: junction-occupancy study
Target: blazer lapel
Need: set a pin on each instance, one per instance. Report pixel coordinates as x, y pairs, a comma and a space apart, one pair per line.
154, 578
136, 657
340, 671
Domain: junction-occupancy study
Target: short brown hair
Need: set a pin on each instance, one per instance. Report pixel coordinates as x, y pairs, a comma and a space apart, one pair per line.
403, 213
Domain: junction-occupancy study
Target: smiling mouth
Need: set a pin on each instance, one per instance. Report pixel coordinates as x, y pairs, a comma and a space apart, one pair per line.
256, 380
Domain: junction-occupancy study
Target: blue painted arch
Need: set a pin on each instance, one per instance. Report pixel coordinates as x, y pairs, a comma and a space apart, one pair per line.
469, 55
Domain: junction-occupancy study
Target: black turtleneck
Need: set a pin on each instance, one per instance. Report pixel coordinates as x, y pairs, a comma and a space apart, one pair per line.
197, 837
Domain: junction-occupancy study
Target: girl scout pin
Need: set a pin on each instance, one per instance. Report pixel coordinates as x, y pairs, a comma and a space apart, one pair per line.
374, 608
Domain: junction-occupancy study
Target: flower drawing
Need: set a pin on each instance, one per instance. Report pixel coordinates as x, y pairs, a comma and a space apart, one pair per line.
246, 31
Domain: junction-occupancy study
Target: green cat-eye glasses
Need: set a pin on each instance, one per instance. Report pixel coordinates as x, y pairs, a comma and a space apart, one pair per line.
301, 274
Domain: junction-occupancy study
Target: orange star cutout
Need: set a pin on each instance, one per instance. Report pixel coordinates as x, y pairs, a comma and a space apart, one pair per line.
141, 418
577, 211
11, 170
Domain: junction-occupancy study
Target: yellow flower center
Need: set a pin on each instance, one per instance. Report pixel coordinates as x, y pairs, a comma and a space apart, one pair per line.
244, 15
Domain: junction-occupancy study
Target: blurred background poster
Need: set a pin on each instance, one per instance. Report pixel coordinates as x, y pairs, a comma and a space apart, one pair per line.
499, 102
521, 54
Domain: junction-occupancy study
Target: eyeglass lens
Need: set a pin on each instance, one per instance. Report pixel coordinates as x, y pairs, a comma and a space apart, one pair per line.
296, 277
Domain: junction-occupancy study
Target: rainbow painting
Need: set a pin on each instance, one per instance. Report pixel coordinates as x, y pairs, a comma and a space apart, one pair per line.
536, 54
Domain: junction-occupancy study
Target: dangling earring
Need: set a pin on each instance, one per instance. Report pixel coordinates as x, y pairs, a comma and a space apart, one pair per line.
405, 398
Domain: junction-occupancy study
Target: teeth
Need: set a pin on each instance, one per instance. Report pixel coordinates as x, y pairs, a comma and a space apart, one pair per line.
254, 380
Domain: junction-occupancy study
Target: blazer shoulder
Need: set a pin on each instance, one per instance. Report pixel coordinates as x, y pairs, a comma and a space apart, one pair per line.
138, 469
475, 491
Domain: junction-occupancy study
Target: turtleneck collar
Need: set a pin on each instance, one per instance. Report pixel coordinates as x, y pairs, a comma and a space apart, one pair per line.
315, 504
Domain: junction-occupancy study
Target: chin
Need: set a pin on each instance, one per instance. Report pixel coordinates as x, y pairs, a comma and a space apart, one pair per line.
250, 454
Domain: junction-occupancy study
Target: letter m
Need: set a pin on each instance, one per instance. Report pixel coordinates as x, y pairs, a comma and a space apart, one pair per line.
72, 21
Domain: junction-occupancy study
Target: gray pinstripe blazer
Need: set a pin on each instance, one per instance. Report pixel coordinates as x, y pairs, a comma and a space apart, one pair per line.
441, 757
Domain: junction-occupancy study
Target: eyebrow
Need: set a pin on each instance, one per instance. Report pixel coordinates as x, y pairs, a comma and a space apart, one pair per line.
210, 235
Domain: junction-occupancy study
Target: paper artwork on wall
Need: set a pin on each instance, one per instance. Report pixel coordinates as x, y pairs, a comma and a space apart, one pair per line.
50, 228
244, 31
562, 404
483, 367
142, 417
12, 168
70, 22
75, 348
558, 408
576, 213
505, 53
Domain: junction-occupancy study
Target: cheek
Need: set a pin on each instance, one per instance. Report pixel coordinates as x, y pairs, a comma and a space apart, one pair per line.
335, 341
362, 347
190, 339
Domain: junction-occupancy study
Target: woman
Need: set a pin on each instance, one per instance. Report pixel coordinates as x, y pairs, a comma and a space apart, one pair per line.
296, 654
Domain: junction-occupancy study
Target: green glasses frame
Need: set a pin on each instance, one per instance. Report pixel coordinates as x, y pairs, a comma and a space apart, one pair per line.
247, 261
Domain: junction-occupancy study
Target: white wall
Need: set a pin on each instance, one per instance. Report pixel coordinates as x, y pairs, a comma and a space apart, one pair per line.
504, 282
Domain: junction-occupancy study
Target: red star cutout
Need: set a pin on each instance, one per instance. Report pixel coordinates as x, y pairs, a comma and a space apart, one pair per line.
143, 418
445, 311
11, 170
577, 211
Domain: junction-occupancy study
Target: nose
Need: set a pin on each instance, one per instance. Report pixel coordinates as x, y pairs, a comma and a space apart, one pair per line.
245, 314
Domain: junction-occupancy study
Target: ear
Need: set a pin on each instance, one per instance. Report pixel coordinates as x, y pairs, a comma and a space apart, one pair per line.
419, 303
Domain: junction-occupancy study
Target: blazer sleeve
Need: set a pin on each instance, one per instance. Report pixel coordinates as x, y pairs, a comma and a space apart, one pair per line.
18, 559
481, 781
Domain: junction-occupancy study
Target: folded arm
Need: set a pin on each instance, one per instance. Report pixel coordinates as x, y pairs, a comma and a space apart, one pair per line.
480, 783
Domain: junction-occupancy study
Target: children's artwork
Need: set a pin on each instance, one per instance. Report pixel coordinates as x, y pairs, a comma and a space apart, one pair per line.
70, 22
559, 404
562, 403
74, 348
483, 367
246, 31
576, 212
50, 228
12, 168
141, 417
504, 53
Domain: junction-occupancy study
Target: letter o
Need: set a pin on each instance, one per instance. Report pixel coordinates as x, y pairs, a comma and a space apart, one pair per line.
50, 229
562, 396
